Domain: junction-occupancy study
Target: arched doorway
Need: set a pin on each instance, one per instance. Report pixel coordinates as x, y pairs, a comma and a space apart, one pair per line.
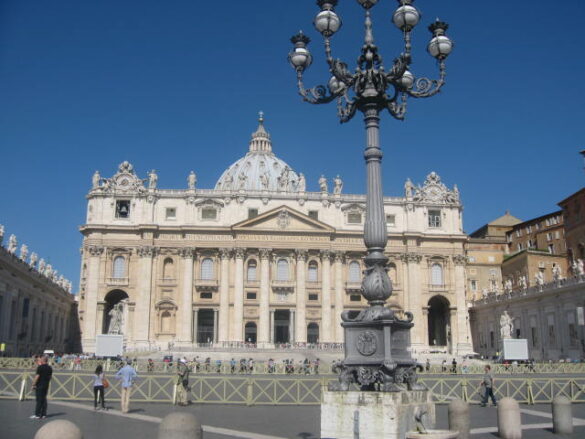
114, 312
250, 332
312, 333
439, 324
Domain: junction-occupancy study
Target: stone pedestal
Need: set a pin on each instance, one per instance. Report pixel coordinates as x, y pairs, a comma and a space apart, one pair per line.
388, 415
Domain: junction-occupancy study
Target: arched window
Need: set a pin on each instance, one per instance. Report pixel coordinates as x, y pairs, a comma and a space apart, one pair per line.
354, 271
252, 269
436, 274
207, 269
119, 269
282, 269
313, 272
165, 322
168, 269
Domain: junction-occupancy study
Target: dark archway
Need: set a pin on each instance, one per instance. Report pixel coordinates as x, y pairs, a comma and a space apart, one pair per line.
312, 333
439, 321
250, 332
205, 326
112, 298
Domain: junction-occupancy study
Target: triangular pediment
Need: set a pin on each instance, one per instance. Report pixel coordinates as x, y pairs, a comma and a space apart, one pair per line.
283, 219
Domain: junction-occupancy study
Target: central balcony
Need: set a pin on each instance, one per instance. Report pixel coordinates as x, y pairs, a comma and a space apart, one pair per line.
118, 281
353, 287
205, 285
283, 285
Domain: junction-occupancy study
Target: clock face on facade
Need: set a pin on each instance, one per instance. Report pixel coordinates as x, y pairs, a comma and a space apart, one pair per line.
123, 182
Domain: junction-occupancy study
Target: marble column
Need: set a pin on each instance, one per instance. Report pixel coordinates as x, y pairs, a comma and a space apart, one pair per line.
339, 296
414, 283
291, 327
325, 332
215, 325
144, 296
301, 318
271, 335
238, 317
195, 324
425, 326
91, 298
186, 324
224, 295
462, 341
101, 307
266, 317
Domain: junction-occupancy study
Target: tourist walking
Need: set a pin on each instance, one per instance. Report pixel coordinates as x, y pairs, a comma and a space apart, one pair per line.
99, 384
40, 385
454, 366
182, 383
488, 384
127, 375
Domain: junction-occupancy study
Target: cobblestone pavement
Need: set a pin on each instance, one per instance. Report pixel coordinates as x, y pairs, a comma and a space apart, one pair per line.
225, 422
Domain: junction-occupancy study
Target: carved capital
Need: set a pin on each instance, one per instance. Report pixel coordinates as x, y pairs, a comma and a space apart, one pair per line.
240, 253
265, 253
225, 253
460, 259
95, 250
411, 258
301, 254
339, 257
147, 251
187, 252
326, 254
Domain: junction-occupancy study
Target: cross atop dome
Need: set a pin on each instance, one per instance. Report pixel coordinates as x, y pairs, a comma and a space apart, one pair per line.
261, 139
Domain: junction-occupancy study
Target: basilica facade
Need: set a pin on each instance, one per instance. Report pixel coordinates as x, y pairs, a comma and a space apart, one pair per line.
260, 259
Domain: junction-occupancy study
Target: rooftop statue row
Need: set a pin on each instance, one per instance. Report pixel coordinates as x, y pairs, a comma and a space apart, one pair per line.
42, 267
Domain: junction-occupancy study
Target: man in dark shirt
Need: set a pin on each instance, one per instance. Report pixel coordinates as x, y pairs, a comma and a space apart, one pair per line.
41, 387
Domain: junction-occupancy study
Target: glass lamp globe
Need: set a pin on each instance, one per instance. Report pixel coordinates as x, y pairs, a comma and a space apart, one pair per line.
300, 58
407, 80
406, 17
327, 22
440, 47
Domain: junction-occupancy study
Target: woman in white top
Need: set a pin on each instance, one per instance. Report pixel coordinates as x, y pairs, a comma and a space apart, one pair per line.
98, 387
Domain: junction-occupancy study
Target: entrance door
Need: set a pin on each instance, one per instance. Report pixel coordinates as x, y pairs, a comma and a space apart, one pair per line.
205, 326
281, 326
250, 332
438, 321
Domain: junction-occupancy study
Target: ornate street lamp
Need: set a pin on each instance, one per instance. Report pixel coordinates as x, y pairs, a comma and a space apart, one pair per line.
377, 341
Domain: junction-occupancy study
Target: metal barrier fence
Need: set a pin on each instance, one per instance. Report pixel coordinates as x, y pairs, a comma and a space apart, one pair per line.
262, 368
241, 390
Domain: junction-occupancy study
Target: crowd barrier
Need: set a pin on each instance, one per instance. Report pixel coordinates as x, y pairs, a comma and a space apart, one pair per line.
297, 390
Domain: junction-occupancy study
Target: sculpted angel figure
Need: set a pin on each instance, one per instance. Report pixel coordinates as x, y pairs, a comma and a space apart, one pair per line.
42, 266
264, 181
23, 252
539, 278
408, 189
48, 271
556, 273
522, 282
33, 259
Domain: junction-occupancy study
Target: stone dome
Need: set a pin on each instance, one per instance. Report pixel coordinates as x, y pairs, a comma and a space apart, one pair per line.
260, 169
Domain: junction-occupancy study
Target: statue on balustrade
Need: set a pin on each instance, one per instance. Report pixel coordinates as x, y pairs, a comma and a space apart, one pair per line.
506, 325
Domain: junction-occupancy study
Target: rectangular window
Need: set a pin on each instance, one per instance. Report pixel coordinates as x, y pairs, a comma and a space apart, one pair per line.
434, 219
518, 233
209, 213
557, 234
537, 226
354, 218
549, 236
391, 220
355, 298
551, 248
313, 297
528, 230
252, 213
314, 214
519, 246
123, 209
206, 295
171, 213
251, 295
473, 285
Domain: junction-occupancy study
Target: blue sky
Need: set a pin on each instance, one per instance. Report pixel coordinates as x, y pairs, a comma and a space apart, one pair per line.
177, 85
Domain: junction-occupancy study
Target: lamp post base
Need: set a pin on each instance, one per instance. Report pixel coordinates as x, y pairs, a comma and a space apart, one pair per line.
375, 414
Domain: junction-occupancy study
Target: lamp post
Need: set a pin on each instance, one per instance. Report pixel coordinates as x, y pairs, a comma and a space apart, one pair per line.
377, 341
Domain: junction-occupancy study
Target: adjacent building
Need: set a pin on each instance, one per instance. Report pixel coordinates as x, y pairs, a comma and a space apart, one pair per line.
545, 233
37, 309
573, 210
259, 258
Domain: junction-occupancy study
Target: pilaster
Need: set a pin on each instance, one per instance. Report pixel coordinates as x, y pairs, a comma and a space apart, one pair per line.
144, 299
325, 334
301, 320
186, 324
339, 296
224, 295
265, 322
91, 298
238, 318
